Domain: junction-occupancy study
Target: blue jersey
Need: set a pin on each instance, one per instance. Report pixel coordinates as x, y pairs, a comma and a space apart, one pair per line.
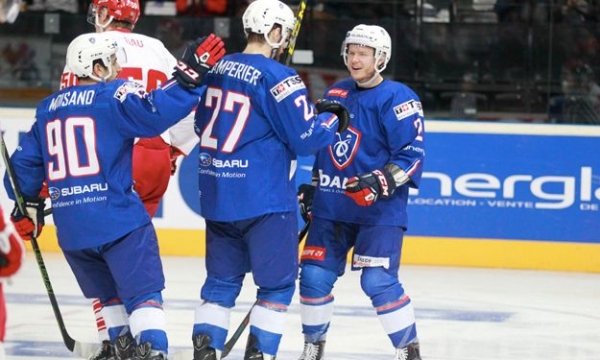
82, 143
386, 126
255, 119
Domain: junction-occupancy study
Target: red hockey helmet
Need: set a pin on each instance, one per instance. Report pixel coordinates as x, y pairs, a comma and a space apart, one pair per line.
121, 10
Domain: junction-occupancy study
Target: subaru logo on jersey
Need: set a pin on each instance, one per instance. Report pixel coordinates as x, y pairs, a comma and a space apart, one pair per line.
407, 109
205, 159
287, 87
54, 193
344, 150
82, 189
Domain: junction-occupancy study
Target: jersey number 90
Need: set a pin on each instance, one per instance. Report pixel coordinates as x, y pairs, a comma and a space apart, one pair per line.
76, 154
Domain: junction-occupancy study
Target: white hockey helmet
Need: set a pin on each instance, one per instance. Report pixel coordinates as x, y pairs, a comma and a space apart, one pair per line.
262, 15
373, 36
87, 48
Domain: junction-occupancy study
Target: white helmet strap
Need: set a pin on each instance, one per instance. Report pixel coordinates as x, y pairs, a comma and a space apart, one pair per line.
103, 78
105, 25
379, 67
274, 45
371, 82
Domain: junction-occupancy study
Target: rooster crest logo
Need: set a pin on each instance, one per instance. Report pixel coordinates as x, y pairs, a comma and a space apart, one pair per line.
344, 150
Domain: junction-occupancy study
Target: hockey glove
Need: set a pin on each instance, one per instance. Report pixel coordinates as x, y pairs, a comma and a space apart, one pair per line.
175, 154
324, 105
11, 248
199, 57
45, 192
367, 188
306, 195
32, 223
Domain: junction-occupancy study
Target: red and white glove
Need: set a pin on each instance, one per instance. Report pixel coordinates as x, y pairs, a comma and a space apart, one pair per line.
30, 224
45, 192
12, 250
367, 188
199, 57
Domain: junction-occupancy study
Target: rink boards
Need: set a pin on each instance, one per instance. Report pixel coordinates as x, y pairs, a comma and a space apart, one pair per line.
508, 195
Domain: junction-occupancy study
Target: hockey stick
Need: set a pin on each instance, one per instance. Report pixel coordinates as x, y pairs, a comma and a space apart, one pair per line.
286, 57
304, 231
236, 335
240, 329
79, 348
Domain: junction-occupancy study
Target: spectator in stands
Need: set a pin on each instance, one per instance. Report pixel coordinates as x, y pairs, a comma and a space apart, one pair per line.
170, 32
508, 11
580, 102
63, 6
202, 7
9, 10
579, 11
464, 104
523, 11
21, 59
372, 10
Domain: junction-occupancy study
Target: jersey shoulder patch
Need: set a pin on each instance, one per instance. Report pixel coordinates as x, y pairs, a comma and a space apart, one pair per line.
407, 109
286, 87
129, 87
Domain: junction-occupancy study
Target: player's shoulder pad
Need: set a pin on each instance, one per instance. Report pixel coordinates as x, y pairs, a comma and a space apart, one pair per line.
129, 87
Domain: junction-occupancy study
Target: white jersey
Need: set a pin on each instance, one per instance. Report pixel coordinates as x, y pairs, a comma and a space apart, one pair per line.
147, 61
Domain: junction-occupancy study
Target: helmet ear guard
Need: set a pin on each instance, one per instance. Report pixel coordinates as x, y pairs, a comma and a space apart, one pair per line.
372, 36
262, 15
85, 49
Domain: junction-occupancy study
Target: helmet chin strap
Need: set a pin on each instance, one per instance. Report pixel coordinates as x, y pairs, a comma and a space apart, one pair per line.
103, 26
274, 46
103, 78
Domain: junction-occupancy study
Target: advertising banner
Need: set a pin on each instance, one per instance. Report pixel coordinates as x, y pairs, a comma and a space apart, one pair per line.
481, 180
509, 181
492, 194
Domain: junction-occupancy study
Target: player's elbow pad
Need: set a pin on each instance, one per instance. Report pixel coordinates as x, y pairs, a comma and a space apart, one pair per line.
399, 176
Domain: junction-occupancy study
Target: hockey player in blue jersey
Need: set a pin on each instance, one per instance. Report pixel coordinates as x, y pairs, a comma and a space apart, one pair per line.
82, 143
255, 119
360, 199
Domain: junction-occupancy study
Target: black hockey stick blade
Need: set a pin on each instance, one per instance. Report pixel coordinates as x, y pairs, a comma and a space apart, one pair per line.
73, 346
240, 329
304, 231
286, 57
